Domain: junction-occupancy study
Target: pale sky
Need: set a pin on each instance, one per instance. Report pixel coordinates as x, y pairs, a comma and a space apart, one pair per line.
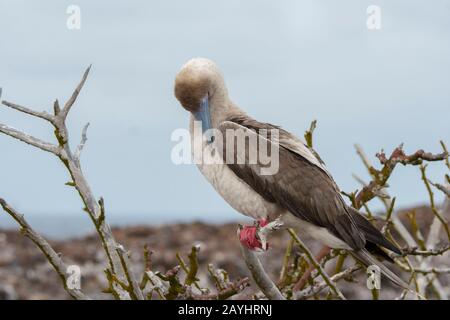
285, 62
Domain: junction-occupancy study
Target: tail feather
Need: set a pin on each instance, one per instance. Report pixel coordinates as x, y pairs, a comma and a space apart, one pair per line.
371, 233
367, 259
378, 252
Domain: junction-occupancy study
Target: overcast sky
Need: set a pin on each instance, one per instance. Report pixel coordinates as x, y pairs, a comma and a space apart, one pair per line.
286, 62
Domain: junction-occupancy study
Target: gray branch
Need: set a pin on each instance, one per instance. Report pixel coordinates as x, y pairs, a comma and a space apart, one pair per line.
54, 258
260, 276
315, 289
75, 94
317, 265
38, 114
133, 286
71, 161
28, 139
406, 235
82, 143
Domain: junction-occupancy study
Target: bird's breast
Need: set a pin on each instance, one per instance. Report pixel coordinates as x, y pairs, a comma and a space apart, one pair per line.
233, 190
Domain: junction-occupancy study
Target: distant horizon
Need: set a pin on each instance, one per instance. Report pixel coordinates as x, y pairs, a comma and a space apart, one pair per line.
71, 225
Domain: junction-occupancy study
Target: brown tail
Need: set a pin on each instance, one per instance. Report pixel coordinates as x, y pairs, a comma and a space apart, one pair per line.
371, 233
367, 259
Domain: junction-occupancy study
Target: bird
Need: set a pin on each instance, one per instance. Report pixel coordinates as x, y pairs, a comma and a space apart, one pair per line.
301, 192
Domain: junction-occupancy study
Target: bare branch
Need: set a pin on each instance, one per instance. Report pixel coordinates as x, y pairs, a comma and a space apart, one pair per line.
219, 276
75, 94
427, 270
432, 204
159, 286
176, 288
309, 134
285, 266
317, 265
191, 276
415, 251
401, 229
52, 257
444, 147
435, 227
388, 219
133, 286
313, 290
56, 107
71, 162
261, 278
381, 176
230, 290
445, 189
398, 156
39, 114
82, 143
28, 139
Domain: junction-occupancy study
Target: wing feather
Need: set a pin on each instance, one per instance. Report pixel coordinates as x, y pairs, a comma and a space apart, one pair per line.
302, 184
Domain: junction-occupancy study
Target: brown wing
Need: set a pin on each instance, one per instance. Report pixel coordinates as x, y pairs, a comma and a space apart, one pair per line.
300, 185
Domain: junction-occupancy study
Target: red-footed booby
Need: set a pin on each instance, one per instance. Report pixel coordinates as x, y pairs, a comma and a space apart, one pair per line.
301, 192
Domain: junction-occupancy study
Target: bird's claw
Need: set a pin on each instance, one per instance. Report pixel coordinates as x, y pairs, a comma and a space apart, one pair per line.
255, 237
249, 237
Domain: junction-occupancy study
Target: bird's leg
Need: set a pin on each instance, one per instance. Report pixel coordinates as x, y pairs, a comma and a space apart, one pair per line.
255, 237
301, 283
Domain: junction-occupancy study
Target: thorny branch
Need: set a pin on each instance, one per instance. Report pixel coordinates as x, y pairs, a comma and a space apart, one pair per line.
425, 253
53, 257
71, 161
316, 288
170, 285
373, 189
368, 193
432, 202
318, 267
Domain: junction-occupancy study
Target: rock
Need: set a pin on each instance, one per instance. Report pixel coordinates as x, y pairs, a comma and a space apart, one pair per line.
7, 292
26, 274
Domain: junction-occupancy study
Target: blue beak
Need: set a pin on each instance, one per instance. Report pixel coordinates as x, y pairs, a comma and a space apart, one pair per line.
204, 116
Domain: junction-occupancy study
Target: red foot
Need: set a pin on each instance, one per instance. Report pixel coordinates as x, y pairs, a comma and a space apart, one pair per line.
249, 235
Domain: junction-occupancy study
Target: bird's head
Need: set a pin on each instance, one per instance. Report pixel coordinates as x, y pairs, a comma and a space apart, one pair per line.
197, 85
198, 79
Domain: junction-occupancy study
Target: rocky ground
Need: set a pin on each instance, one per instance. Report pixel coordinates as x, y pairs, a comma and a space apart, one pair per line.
26, 274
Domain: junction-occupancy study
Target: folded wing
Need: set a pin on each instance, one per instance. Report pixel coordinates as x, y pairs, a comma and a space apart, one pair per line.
302, 184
